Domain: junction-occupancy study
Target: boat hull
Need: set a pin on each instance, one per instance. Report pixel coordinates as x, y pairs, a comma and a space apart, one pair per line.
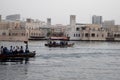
58, 45
22, 55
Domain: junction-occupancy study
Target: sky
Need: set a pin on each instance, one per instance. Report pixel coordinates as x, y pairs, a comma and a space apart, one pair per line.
60, 10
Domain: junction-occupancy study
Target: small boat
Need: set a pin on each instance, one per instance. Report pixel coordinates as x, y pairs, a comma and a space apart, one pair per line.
9, 56
59, 45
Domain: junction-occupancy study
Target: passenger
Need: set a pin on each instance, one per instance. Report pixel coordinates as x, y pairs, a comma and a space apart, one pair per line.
11, 49
26, 50
17, 49
21, 49
61, 43
66, 43
50, 42
14, 50
6, 51
54, 43
1, 50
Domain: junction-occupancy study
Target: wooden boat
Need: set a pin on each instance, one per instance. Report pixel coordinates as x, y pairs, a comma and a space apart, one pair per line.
59, 45
17, 56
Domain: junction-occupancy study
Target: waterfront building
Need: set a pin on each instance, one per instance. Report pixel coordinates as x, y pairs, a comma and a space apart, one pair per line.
96, 19
73, 30
35, 29
93, 32
58, 30
12, 31
78, 31
113, 33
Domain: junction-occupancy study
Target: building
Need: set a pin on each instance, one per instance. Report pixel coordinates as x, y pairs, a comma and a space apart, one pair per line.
12, 31
78, 31
48, 22
13, 17
91, 32
73, 29
108, 23
35, 29
72, 20
96, 19
0, 18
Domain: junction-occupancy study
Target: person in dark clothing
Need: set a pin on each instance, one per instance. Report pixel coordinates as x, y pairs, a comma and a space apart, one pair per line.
11, 49
5, 50
27, 50
1, 50
21, 49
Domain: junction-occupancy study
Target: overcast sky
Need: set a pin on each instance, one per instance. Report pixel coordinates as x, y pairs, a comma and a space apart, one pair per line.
60, 10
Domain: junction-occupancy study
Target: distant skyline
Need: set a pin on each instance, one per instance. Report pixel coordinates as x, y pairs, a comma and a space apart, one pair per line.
60, 10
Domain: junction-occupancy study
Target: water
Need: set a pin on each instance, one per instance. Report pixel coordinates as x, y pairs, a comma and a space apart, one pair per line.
84, 61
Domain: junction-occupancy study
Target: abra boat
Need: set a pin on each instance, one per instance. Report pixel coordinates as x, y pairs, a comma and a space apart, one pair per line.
58, 45
19, 55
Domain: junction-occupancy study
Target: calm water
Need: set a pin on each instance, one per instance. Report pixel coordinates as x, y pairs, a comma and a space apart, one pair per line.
84, 61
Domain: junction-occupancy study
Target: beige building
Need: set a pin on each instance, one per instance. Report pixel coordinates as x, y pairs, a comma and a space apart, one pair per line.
12, 31
113, 33
34, 28
92, 32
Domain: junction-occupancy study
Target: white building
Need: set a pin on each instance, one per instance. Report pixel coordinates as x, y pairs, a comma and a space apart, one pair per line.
73, 30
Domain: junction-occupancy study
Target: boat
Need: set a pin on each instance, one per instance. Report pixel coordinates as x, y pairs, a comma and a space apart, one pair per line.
9, 56
59, 44
18, 55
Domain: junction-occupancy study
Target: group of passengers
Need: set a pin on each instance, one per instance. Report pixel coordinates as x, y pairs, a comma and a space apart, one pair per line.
61, 43
13, 50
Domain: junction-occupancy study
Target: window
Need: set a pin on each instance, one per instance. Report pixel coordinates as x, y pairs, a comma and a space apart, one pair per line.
3, 33
97, 35
77, 29
79, 35
74, 35
9, 34
93, 34
86, 35
83, 28
102, 35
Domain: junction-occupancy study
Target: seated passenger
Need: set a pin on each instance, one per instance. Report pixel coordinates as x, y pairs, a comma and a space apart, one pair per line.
26, 50
1, 50
6, 51
14, 50
21, 49
11, 49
